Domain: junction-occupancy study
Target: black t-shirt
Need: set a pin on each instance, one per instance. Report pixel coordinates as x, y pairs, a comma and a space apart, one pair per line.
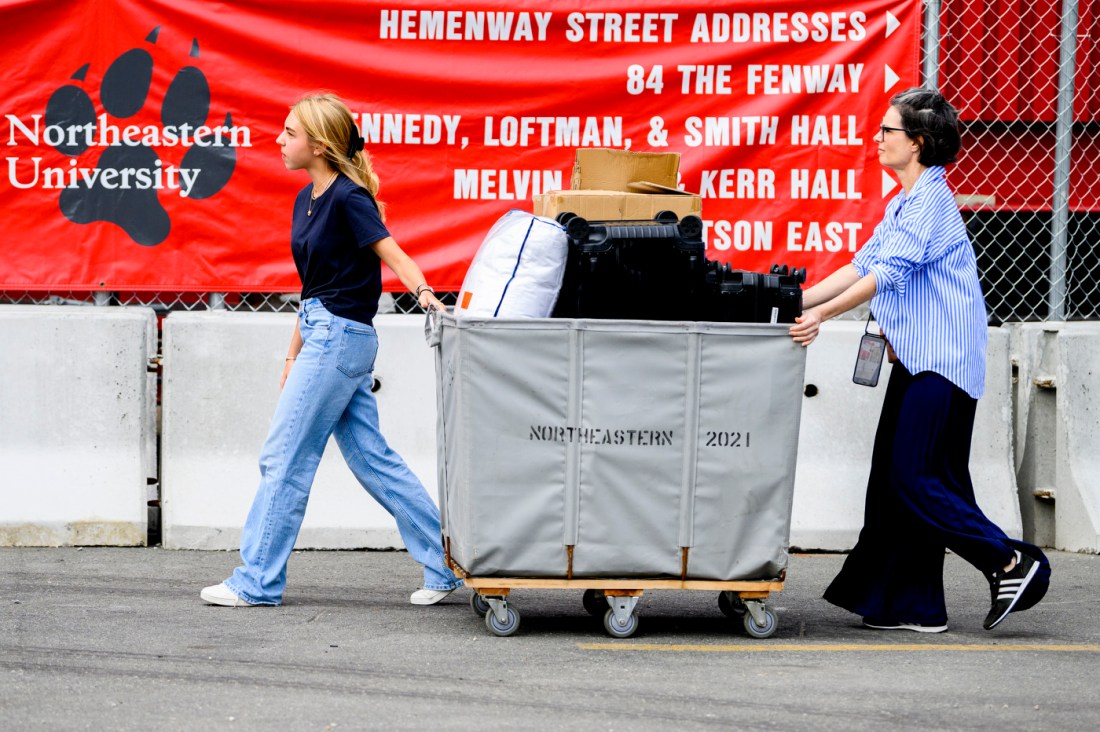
331, 249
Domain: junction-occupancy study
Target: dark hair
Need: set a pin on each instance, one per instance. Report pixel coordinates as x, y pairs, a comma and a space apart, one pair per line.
929, 119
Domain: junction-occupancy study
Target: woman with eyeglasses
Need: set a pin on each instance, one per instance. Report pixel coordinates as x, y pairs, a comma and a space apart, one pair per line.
920, 275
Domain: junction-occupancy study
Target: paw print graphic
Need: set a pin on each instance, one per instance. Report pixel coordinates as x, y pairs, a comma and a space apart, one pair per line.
123, 186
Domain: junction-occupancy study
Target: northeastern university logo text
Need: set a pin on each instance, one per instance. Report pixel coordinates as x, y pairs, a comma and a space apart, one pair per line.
115, 173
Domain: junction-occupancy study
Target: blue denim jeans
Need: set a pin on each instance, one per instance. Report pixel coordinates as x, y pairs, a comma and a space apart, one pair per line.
328, 393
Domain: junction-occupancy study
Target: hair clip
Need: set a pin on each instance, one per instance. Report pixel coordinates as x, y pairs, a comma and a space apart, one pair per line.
355, 145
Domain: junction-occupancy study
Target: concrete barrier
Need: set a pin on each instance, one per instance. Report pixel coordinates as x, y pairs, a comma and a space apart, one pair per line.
1035, 362
77, 425
839, 419
836, 435
1057, 428
1077, 502
77, 436
992, 457
221, 383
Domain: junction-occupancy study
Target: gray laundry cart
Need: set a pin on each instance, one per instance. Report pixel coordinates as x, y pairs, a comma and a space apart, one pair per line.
617, 456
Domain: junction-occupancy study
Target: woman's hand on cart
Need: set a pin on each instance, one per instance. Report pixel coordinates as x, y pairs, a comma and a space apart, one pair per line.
806, 327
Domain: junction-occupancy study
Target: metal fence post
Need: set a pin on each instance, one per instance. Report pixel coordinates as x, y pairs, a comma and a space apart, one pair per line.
1063, 147
930, 68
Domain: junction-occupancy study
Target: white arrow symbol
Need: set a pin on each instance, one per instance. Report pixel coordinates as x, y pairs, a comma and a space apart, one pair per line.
891, 78
888, 184
892, 23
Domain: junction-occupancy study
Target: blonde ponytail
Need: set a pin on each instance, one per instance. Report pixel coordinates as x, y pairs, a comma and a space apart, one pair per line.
327, 121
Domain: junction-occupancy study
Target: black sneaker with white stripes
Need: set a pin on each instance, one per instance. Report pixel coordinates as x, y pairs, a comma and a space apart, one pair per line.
1006, 587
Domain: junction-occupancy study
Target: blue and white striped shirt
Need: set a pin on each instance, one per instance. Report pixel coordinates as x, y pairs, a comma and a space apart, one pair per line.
928, 302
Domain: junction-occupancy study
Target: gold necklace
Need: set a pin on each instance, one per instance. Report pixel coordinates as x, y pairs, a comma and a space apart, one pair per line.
314, 196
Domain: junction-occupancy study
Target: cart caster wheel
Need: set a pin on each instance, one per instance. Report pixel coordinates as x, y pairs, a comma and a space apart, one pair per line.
594, 602
767, 630
617, 630
479, 604
731, 604
505, 629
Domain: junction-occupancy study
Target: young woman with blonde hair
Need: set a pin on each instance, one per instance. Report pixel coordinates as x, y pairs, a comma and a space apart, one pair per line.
339, 242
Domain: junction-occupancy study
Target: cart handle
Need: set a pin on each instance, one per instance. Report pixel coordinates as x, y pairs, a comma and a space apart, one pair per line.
433, 325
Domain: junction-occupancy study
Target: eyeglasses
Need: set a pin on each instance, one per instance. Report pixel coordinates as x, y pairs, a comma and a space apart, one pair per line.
884, 129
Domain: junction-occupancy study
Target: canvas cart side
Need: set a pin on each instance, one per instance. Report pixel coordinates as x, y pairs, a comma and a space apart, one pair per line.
616, 457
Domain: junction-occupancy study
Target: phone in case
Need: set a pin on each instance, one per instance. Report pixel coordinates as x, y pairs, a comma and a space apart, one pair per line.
869, 361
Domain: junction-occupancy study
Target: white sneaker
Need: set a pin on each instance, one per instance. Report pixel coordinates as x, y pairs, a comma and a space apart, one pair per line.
915, 627
429, 597
222, 595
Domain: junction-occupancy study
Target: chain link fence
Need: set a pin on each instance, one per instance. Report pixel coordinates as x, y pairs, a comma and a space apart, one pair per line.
1025, 75
165, 302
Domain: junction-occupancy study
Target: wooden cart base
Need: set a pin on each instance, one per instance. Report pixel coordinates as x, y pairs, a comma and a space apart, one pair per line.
616, 600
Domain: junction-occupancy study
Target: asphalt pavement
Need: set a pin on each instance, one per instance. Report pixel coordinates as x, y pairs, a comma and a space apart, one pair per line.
117, 639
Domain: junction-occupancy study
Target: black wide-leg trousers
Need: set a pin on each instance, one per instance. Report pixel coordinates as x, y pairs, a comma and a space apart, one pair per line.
920, 501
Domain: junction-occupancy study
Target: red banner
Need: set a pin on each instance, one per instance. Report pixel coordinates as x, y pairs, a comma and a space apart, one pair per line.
139, 135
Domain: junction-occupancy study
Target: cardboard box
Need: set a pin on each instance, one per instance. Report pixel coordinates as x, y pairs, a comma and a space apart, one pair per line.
619, 185
601, 169
614, 205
